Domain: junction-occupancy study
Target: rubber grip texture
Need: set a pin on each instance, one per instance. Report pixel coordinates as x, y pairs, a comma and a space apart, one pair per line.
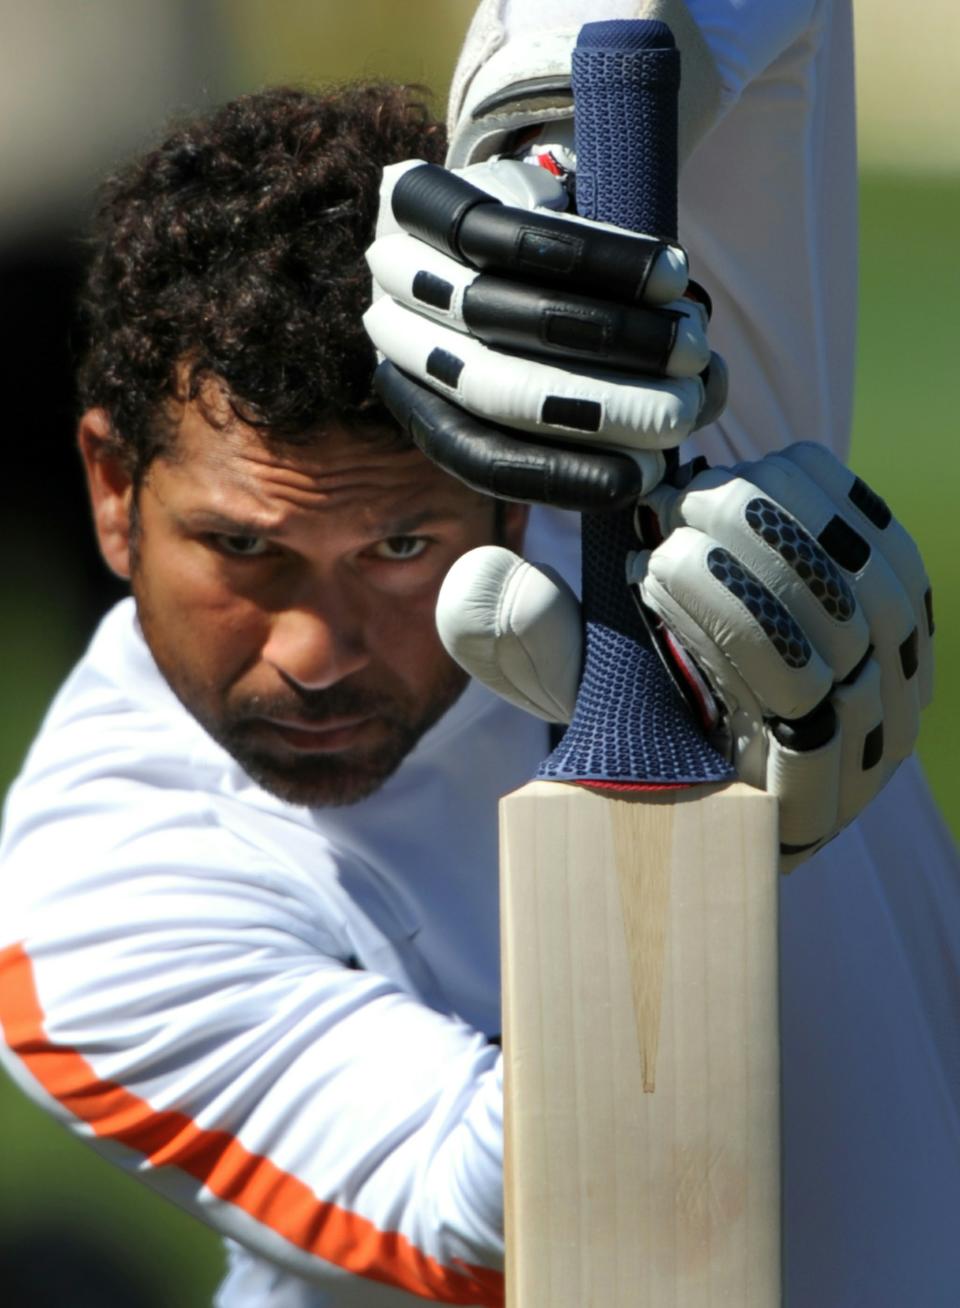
630, 728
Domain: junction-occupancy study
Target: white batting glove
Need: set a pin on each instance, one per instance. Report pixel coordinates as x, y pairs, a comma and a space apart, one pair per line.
791, 605
545, 327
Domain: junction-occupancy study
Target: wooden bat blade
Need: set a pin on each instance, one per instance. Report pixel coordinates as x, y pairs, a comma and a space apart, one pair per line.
640, 1002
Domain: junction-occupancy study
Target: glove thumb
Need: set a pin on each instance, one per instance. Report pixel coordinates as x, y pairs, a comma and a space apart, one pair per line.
516, 627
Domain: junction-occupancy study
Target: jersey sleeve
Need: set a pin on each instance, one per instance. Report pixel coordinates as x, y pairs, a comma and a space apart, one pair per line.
743, 36
194, 1016
767, 194
746, 36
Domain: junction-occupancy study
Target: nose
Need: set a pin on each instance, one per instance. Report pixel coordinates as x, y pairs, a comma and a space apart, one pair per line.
316, 646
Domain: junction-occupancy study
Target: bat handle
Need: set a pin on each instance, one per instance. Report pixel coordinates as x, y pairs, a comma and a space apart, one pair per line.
629, 726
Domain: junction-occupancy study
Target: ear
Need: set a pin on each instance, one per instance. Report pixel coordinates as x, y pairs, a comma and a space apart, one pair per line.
514, 522
111, 490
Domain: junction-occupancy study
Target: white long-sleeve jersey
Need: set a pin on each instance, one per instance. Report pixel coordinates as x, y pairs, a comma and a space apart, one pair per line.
282, 1018
278, 1017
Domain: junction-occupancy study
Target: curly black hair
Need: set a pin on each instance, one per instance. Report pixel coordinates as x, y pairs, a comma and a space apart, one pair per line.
235, 251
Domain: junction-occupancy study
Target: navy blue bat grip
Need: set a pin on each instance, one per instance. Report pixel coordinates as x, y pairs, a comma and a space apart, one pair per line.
630, 727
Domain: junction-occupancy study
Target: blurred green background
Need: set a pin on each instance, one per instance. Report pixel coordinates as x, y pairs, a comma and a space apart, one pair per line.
193, 54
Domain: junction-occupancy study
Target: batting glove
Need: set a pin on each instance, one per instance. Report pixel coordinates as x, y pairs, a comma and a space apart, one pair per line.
792, 609
533, 354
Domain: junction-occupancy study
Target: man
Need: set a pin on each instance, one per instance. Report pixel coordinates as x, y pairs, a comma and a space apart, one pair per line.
284, 548
249, 928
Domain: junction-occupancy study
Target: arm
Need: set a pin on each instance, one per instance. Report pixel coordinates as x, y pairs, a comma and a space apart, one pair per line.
723, 47
767, 205
898, 742
182, 1002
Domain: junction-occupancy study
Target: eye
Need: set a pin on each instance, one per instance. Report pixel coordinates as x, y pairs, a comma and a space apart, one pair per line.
400, 548
241, 547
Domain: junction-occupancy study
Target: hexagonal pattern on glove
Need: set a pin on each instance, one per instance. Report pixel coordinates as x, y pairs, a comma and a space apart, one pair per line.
802, 553
784, 634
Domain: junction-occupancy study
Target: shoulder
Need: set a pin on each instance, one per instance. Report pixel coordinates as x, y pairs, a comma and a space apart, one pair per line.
125, 804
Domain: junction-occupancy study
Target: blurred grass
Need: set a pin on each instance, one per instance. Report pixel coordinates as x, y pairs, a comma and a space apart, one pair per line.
52, 1181
904, 443
905, 425
318, 41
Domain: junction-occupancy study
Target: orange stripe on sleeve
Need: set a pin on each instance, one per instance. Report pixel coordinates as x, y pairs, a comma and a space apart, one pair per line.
221, 1163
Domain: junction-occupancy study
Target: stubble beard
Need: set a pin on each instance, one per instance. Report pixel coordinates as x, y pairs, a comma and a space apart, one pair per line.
335, 779
312, 780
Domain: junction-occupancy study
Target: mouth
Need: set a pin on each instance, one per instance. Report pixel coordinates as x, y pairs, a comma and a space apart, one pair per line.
331, 736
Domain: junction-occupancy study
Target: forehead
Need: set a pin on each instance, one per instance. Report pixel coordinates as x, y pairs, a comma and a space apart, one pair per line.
233, 468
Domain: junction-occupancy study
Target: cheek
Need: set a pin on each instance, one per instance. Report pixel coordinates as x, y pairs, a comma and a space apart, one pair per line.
196, 626
406, 637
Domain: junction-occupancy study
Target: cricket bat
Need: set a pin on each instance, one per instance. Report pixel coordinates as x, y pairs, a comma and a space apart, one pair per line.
638, 902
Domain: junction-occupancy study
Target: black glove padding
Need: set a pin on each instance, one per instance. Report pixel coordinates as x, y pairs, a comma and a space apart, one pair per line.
535, 356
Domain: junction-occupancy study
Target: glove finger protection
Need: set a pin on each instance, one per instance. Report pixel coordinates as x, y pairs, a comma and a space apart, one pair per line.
791, 660
554, 323
516, 627
892, 586
854, 585
554, 333
542, 398
868, 515
767, 536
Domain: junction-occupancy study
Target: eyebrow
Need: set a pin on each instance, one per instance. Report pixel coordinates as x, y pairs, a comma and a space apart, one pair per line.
250, 525
247, 525
411, 522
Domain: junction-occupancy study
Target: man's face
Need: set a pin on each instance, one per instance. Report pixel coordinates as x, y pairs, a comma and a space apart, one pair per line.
287, 595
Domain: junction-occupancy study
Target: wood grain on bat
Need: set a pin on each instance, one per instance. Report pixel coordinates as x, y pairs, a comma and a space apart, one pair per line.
644, 901
639, 943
